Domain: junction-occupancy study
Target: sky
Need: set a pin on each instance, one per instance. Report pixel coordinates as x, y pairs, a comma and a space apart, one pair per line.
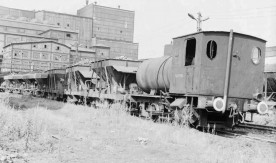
158, 21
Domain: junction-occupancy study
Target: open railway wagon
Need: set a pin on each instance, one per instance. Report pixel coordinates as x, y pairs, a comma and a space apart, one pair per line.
3, 83
270, 88
106, 80
14, 83
55, 84
79, 78
117, 78
212, 79
35, 83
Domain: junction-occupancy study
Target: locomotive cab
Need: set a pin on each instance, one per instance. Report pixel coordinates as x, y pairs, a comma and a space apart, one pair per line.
199, 64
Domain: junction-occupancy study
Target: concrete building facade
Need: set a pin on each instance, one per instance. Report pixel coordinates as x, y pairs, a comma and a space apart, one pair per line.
110, 23
95, 32
64, 36
113, 27
21, 30
45, 55
79, 24
16, 13
26, 56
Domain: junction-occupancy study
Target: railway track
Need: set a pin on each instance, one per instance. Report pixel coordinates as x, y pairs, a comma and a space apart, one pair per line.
257, 127
251, 131
236, 134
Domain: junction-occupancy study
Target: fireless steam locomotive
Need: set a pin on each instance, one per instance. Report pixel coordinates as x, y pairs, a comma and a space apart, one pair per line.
212, 79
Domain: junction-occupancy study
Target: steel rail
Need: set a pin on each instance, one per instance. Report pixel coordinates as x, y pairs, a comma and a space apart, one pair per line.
258, 127
229, 133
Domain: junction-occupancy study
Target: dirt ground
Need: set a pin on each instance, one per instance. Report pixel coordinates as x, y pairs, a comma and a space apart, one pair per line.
81, 134
267, 119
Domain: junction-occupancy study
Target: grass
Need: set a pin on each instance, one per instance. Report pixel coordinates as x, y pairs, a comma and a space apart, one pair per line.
83, 134
26, 130
25, 102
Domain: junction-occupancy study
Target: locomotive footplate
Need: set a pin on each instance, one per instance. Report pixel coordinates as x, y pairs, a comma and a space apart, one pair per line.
147, 98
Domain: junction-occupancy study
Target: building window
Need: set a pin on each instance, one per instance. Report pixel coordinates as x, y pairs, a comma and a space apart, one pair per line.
57, 48
34, 45
68, 35
58, 24
45, 46
211, 50
68, 25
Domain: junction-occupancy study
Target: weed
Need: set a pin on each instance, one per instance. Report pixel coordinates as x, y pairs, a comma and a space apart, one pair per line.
38, 129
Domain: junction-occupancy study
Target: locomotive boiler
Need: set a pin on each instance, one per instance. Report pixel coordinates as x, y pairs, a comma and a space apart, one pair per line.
155, 74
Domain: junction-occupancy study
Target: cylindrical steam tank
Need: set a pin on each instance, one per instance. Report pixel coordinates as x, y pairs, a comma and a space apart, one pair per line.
155, 74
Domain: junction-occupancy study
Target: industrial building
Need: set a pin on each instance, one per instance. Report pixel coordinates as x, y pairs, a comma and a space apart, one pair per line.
94, 32
113, 27
35, 56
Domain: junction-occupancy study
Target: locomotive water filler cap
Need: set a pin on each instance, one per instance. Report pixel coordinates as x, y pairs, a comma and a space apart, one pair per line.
219, 104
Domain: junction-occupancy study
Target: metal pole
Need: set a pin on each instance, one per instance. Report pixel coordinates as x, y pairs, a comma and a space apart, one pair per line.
78, 45
265, 87
107, 80
11, 59
76, 80
228, 70
199, 22
77, 51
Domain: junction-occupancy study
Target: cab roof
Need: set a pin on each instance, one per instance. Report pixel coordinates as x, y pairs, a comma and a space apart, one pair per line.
220, 32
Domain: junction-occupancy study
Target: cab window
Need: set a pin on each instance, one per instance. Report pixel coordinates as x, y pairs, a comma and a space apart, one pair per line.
190, 52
